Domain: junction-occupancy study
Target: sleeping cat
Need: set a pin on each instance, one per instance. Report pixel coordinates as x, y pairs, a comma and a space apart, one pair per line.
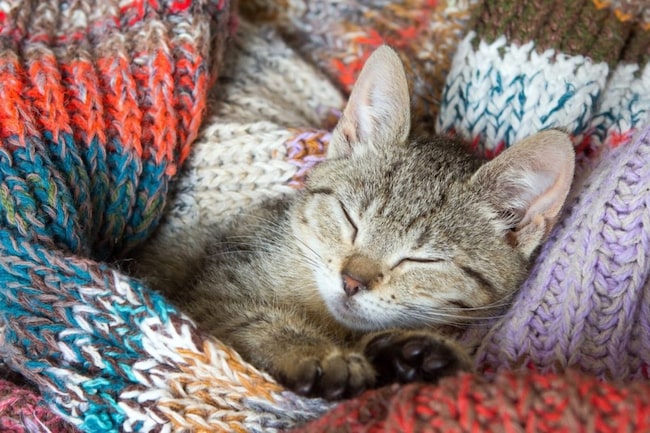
345, 285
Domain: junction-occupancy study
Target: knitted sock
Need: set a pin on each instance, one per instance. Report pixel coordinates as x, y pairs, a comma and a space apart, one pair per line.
580, 66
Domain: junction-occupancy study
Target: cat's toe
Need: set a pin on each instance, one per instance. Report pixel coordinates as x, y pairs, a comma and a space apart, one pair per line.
334, 381
302, 376
408, 356
332, 377
344, 376
361, 375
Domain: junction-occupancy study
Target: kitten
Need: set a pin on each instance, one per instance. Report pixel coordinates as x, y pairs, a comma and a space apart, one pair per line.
345, 285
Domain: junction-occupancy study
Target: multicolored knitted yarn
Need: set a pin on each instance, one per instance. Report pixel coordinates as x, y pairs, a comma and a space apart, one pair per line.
584, 305
101, 101
338, 37
547, 86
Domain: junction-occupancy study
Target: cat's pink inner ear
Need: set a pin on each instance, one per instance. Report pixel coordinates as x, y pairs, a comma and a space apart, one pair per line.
531, 181
378, 110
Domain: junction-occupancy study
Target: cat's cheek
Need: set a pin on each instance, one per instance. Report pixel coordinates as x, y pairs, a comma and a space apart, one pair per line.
339, 305
329, 285
359, 312
314, 240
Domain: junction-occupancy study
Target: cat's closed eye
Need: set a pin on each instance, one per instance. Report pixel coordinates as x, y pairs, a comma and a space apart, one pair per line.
350, 220
416, 260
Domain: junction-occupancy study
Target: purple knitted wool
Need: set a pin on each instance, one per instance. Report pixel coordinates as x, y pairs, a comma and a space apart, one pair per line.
586, 304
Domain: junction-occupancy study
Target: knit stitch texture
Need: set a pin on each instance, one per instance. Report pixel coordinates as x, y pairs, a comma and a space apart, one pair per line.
512, 402
102, 100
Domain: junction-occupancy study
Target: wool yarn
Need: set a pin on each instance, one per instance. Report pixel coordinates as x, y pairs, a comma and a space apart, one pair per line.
338, 37
101, 101
23, 411
580, 66
583, 305
87, 182
511, 402
106, 353
262, 132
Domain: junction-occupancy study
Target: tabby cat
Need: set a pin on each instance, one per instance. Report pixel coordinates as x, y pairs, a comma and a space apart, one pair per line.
345, 285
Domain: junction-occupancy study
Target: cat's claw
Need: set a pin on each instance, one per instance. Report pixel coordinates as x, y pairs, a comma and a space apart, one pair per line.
332, 377
409, 356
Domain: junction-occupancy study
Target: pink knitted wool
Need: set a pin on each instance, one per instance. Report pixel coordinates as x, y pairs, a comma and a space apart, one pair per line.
22, 410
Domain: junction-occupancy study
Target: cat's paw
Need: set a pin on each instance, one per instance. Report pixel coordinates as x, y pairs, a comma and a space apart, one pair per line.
410, 356
334, 376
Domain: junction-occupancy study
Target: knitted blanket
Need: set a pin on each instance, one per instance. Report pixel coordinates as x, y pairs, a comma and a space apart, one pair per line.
101, 101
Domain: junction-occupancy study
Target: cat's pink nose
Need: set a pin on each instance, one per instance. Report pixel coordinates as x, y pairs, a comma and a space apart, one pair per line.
352, 286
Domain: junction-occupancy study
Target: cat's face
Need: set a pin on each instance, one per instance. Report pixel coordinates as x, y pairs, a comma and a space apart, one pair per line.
405, 234
401, 238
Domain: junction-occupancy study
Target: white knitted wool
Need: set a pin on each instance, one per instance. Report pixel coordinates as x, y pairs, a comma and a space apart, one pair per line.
624, 105
503, 92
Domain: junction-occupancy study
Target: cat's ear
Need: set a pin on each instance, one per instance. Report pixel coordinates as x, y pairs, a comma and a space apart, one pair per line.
528, 184
378, 111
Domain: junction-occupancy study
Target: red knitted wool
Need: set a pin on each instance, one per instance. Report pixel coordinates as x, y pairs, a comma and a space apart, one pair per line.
524, 402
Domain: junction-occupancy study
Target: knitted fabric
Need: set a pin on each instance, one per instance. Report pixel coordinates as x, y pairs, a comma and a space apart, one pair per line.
100, 101
23, 411
534, 402
587, 300
582, 67
585, 304
338, 37
501, 87
87, 182
261, 135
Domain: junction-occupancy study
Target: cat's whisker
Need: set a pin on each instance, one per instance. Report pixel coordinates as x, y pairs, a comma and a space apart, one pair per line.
270, 225
254, 239
282, 231
503, 302
426, 319
418, 312
276, 228
480, 308
228, 253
